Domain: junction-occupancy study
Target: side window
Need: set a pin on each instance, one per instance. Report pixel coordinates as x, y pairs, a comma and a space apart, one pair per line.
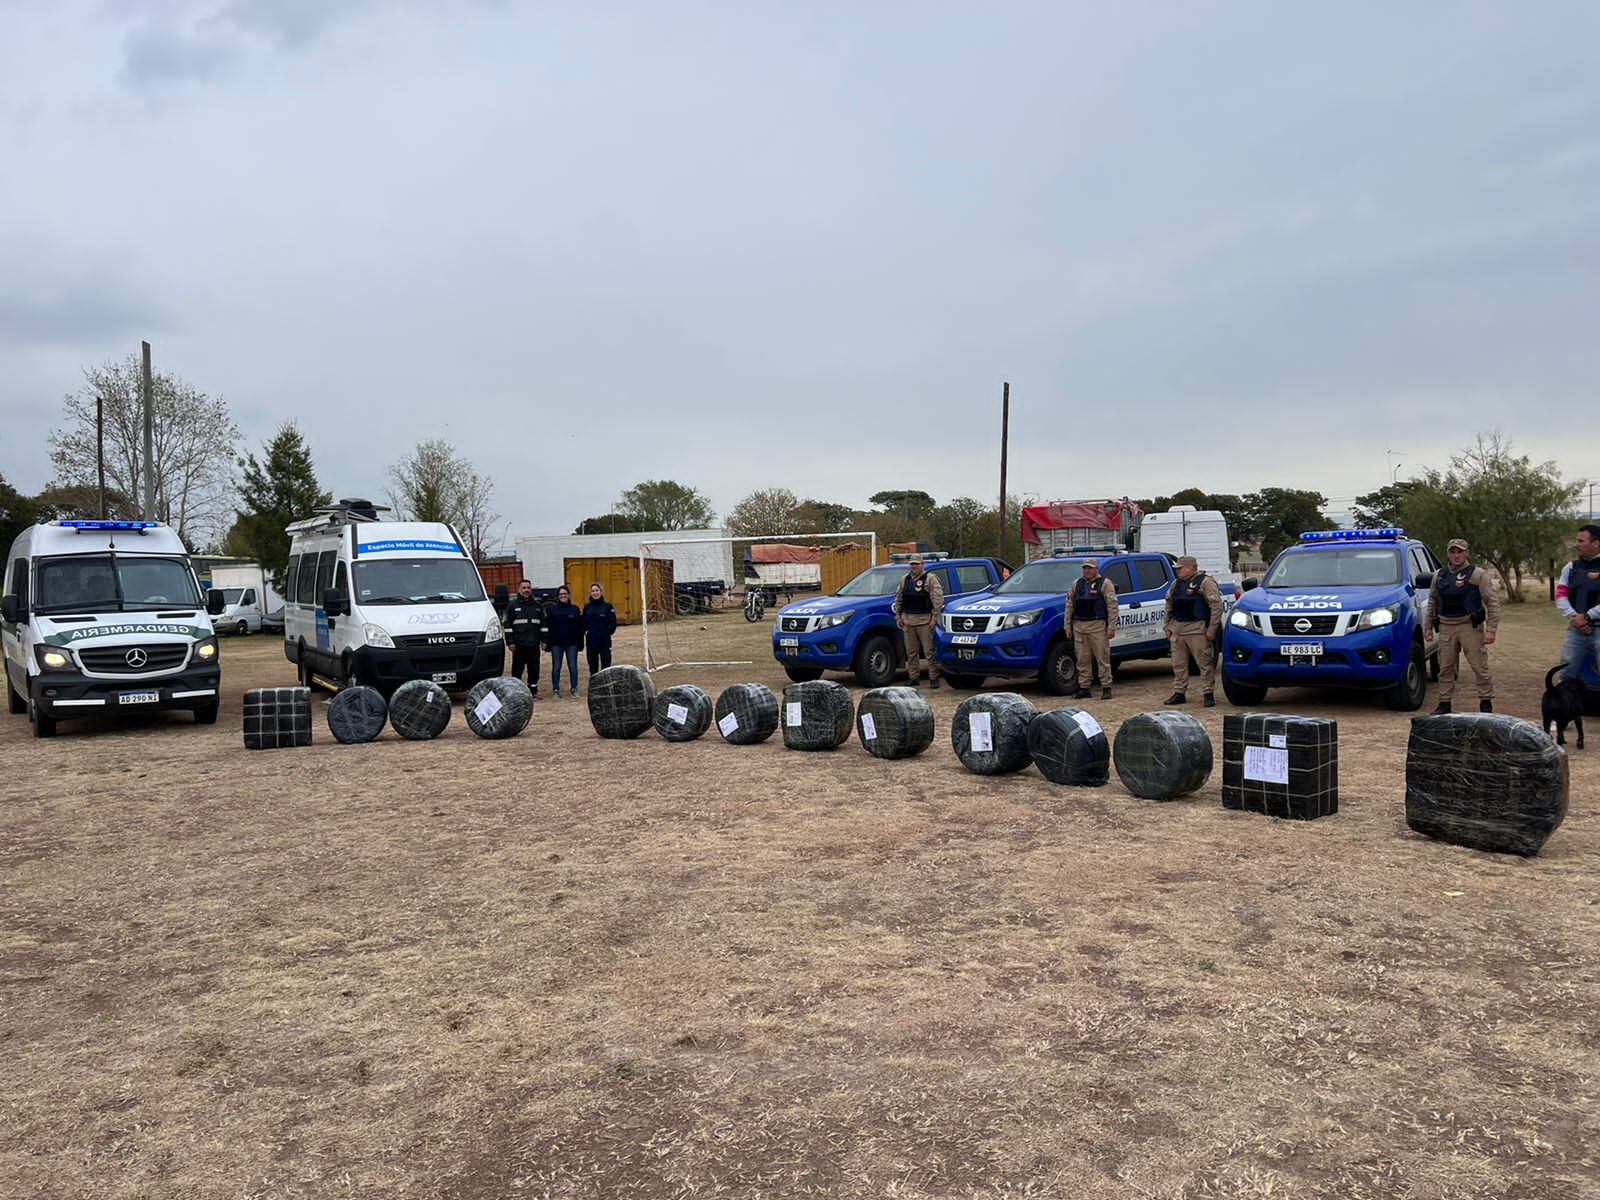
306, 585
1151, 575
946, 584
325, 562
17, 584
1419, 561
249, 596
971, 577
291, 576
1120, 577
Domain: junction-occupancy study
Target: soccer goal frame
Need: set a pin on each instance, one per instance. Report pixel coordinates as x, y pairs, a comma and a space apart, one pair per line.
803, 538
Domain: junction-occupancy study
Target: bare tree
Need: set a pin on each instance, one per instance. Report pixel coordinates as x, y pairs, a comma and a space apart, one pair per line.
434, 483
477, 515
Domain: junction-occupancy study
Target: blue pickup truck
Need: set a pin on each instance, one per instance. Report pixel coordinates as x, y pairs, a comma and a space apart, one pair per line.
854, 629
1016, 630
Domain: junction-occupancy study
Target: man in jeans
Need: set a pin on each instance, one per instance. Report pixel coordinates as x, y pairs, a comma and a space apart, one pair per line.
917, 604
1578, 598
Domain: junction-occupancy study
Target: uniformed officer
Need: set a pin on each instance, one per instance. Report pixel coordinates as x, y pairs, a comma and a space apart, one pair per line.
1091, 623
917, 604
525, 630
1466, 613
1194, 617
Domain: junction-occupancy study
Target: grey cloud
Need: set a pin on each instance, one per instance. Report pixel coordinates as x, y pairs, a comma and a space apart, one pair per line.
159, 53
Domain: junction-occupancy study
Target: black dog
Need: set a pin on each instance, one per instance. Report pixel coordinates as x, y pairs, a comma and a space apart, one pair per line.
1562, 705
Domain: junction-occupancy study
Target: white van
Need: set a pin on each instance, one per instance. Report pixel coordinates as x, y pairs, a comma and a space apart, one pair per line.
105, 617
382, 602
248, 599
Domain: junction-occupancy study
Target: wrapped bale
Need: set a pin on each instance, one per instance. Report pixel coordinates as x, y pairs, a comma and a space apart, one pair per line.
498, 708
747, 713
1069, 746
1485, 781
817, 715
1282, 766
357, 714
894, 722
275, 718
990, 732
621, 701
1162, 755
419, 710
682, 712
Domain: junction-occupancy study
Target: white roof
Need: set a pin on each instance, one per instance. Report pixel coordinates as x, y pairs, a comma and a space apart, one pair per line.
60, 537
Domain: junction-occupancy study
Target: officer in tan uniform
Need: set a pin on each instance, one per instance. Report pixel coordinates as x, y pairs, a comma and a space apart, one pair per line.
1465, 609
917, 604
1091, 623
1194, 617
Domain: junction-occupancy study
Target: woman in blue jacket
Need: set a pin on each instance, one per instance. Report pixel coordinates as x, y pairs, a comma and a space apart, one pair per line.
599, 623
563, 631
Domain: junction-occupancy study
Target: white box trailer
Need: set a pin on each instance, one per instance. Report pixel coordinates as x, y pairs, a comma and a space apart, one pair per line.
1185, 529
251, 599
708, 566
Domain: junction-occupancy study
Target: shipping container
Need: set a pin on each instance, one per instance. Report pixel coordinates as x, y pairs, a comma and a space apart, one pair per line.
707, 565
619, 576
841, 564
495, 573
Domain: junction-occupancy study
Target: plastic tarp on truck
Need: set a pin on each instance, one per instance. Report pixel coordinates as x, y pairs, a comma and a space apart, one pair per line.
777, 564
1067, 523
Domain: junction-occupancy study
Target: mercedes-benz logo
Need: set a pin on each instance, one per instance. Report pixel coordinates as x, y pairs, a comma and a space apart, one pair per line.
1303, 625
136, 658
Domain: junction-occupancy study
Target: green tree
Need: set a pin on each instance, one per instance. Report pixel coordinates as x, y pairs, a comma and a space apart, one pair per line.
613, 522
666, 504
985, 538
765, 511
81, 501
911, 504
1278, 516
954, 526
1240, 521
822, 516
1382, 509
277, 489
17, 512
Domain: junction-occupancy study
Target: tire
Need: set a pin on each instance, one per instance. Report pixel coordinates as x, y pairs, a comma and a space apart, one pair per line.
875, 662
966, 683
242, 628
803, 674
347, 669
303, 668
206, 714
14, 703
1242, 695
683, 602
1059, 674
43, 726
1412, 690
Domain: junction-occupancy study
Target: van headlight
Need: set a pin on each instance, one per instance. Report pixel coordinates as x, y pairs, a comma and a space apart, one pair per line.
53, 658
206, 649
377, 636
492, 631
1376, 617
832, 619
1018, 620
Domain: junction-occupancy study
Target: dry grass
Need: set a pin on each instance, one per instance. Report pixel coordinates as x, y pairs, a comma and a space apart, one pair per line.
564, 967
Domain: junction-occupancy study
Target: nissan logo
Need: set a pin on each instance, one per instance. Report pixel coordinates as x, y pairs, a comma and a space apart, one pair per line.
136, 658
1303, 625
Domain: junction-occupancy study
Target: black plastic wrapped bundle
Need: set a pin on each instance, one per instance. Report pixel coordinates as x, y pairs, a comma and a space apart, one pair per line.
747, 713
275, 718
498, 708
990, 732
682, 712
621, 701
357, 714
1162, 755
894, 722
419, 710
1069, 746
817, 715
1282, 766
1485, 781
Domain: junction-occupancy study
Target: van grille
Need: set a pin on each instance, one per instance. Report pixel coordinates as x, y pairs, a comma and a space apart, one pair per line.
113, 660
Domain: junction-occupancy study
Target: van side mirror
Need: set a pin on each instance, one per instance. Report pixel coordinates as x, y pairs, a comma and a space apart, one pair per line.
502, 598
335, 603
10, 610
1249, 583
1424, 581
216, 601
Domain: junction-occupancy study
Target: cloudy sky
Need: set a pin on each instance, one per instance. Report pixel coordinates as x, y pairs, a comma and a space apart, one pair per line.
801, 244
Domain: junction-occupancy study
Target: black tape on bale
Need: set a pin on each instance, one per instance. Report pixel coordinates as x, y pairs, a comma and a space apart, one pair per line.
817, 715
1069, 746
419, 710
1282, 766
1162, 755
747, 713
498, 708
682, 712
990, 732
621, 701
1485, 781
357, 714
894, 722
275, 718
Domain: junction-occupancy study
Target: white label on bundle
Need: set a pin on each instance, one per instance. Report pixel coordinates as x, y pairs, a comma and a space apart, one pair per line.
1087, 723
1278, 741
792, 713
1265, 765
869, 728
677, 713
487, 707
981, 729
728, 724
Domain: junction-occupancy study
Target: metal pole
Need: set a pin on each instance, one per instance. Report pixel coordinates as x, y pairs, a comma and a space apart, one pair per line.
100, 447
149, 440
1005, 435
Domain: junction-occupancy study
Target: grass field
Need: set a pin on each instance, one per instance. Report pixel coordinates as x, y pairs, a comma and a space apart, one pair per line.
567, 967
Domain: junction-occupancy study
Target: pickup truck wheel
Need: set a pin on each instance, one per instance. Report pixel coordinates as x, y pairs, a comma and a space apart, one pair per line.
964, 682
1059, 674
875, 662
684, 603
206, 714
1409, 693
1242, 695
803, 674
43, 726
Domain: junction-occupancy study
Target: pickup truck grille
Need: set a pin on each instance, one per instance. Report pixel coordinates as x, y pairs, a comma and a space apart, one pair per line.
149, 657
969, 624
793, 624
1322, 625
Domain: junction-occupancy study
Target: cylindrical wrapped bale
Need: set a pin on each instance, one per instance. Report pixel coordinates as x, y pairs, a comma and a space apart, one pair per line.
621, 701
498, 708
1162, 755
682, 712
817, 715
1485, 781
357, 714
894, 722
747, 713
419, 710
990, 732
1069, 746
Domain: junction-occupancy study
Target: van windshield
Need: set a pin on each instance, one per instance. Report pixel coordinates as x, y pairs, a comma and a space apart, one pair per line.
874, 581
417, 581
1335, 568
1046, 577
113, 583
232, 595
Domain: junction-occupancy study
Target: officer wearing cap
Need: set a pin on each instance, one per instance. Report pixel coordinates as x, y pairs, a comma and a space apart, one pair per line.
1194, 615
1466, 613
917, 604
1091, 623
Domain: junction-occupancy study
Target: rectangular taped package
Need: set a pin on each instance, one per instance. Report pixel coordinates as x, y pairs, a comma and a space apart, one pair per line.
1280, 765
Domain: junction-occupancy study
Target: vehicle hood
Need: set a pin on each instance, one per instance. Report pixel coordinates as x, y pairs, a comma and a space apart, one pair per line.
411, 620
1310, 600
989, 602
821, 606
114, 628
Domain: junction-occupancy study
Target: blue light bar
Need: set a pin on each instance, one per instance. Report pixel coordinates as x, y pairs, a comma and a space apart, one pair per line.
109, 524
1111, 549
1353, 535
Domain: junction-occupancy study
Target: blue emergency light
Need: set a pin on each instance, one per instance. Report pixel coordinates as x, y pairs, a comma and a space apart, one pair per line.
1353, 535
139, 526
1113, 549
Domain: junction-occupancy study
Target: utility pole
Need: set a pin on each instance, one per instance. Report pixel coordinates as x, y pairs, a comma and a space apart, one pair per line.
149, 439
1005, 436
100, 447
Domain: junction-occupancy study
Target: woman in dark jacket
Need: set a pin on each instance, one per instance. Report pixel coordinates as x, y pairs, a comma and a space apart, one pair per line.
563, 631
599, 623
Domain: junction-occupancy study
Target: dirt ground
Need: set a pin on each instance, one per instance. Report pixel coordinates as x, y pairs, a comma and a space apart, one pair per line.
567, 967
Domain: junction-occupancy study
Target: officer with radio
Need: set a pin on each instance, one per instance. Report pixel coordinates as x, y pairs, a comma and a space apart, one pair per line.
1465, 610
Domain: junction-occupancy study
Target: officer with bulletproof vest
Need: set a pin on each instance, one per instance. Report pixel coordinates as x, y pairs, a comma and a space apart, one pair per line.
524, 622
1194, 617
918, 601
1091, 623
1578, 598
1465, 608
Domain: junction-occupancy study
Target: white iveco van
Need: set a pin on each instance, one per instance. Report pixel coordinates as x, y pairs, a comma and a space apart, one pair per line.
380, 602
105, 617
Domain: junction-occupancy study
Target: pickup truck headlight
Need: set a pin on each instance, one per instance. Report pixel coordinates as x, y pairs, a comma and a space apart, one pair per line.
377, 637
1375, 617
205, 650
832, 619
492, 631
1241, 620
1018, 620
53, 658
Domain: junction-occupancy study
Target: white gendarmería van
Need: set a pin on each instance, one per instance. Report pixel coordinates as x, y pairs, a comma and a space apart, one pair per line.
104, 617
382, 602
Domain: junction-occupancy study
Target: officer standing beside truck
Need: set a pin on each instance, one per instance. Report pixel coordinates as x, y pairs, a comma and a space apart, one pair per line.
525, 630
1193, 620
917, 604
1091, 623
1466, 614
